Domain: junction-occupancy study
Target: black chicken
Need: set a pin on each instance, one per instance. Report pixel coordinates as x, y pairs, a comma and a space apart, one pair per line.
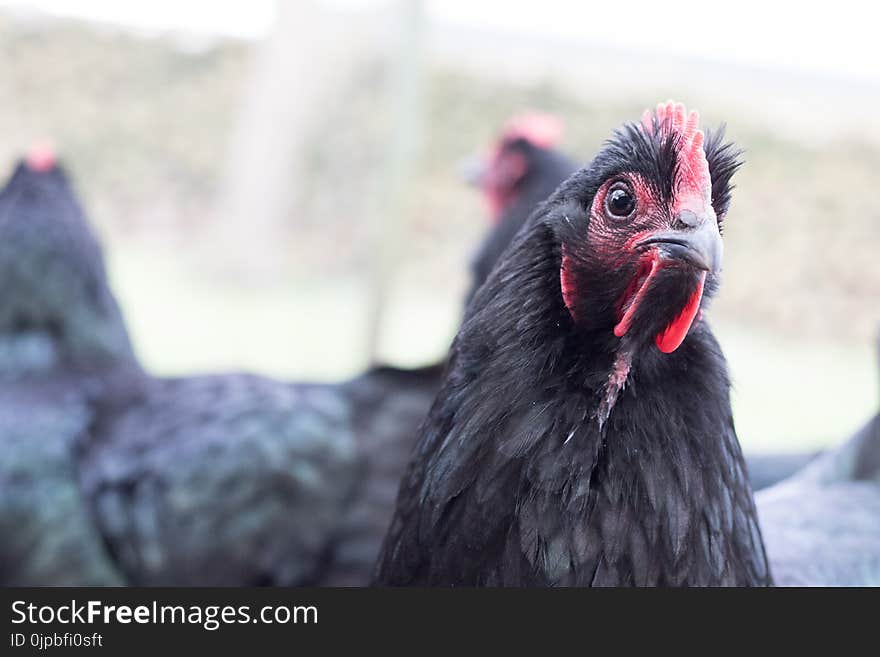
583, 434
523, 169
113, 476
60, 329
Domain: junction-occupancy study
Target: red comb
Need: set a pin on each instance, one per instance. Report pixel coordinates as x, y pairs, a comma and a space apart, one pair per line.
542, 130
41, 157
672, 118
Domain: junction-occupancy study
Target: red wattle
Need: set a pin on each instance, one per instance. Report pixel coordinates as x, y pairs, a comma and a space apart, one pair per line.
625, 322
674, 334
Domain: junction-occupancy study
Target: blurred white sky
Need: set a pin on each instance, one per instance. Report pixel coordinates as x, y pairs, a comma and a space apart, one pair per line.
836, 38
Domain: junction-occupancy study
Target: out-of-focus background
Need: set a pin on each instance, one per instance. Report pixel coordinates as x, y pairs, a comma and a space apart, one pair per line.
277, 183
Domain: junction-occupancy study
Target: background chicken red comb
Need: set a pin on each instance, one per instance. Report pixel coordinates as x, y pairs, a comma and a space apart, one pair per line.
542, 130
42, 157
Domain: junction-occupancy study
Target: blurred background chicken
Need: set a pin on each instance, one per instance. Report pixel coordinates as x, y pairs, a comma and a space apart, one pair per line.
522, 170
62, 338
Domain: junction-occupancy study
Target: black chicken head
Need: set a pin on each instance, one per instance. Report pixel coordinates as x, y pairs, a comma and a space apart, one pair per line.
640, 228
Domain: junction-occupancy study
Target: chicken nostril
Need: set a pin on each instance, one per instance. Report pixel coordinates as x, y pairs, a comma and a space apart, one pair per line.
687, 219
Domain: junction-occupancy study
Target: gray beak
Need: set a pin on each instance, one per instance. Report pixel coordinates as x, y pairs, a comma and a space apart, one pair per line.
697, 242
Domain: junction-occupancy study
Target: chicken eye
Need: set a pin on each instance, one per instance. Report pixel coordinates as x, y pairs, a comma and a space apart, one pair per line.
620, 201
